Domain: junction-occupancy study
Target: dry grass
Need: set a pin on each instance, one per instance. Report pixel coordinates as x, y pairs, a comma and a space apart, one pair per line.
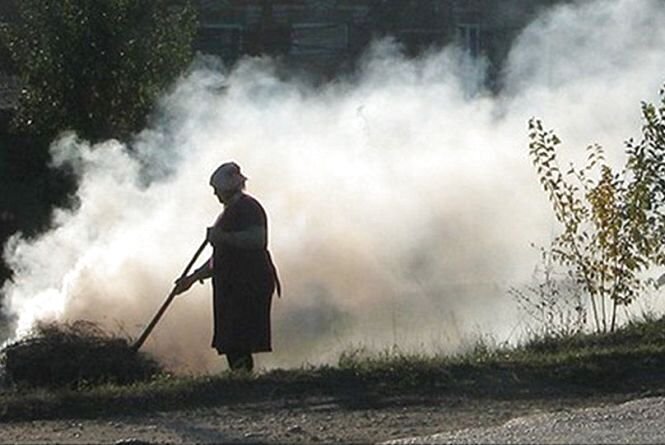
72, 355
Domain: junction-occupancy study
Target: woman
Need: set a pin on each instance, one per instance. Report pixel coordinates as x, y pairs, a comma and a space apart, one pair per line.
243, 274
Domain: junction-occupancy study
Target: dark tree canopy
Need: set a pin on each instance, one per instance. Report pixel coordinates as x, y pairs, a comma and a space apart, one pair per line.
94, 66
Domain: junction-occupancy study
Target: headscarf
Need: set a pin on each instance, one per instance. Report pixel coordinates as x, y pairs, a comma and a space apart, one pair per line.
228, 177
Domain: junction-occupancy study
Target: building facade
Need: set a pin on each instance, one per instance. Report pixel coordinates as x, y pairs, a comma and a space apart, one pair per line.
328, 35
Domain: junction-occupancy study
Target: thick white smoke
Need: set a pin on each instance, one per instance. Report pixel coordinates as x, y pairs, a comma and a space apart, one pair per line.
401, 208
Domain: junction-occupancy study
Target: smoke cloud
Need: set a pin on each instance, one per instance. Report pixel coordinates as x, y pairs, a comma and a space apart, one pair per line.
401, 206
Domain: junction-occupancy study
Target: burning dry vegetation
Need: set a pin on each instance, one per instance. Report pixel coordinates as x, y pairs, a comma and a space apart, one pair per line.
74, 354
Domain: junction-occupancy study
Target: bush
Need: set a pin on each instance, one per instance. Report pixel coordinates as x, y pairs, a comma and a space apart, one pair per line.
613, 221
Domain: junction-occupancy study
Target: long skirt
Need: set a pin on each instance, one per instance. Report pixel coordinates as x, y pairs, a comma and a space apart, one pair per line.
241, 318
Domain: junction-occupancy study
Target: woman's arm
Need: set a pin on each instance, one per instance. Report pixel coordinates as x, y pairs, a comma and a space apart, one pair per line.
183, 284
254, 237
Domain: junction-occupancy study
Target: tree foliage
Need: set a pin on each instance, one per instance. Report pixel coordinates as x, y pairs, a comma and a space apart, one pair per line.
96, 67
613, 221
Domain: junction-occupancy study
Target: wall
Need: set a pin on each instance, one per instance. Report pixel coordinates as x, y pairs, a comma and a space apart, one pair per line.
328, 35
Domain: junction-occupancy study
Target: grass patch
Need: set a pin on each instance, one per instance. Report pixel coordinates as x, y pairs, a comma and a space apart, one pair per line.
629, 361
646, 332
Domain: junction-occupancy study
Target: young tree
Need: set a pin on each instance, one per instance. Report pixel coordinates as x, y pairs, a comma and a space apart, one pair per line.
613, 222
96, 67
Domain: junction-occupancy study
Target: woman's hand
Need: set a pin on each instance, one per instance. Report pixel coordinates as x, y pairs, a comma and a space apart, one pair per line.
183, 284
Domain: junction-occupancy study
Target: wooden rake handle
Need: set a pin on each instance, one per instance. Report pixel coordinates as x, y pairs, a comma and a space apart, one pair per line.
148, 329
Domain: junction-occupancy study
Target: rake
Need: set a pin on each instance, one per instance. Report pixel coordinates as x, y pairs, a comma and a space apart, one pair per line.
148, 329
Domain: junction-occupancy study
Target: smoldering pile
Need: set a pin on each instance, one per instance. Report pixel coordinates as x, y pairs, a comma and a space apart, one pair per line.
73, 354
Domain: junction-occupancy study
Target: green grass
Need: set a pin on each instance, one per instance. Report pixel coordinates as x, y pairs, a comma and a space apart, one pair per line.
630, 360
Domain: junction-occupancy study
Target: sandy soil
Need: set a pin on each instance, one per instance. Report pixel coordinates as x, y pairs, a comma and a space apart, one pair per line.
307, 420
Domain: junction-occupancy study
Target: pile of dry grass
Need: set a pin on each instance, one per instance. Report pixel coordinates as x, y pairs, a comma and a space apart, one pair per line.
73, 354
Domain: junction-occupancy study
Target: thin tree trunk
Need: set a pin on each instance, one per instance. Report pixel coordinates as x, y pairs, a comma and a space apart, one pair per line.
602, 296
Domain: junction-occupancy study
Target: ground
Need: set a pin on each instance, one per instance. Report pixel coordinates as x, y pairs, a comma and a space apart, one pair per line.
301, 420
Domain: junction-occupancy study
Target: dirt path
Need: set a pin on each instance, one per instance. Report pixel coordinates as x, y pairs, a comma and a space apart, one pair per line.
308, 420
638, 421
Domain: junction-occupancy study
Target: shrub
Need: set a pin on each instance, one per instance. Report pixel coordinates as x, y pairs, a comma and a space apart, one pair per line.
613, 221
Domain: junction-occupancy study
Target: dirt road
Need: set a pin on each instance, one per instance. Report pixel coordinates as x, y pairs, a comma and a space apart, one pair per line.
637, 421
308, 420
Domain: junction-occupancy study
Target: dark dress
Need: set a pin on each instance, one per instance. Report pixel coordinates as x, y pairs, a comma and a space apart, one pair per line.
243, 283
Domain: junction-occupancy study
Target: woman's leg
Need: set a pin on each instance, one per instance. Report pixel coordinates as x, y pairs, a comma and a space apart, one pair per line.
240, 361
